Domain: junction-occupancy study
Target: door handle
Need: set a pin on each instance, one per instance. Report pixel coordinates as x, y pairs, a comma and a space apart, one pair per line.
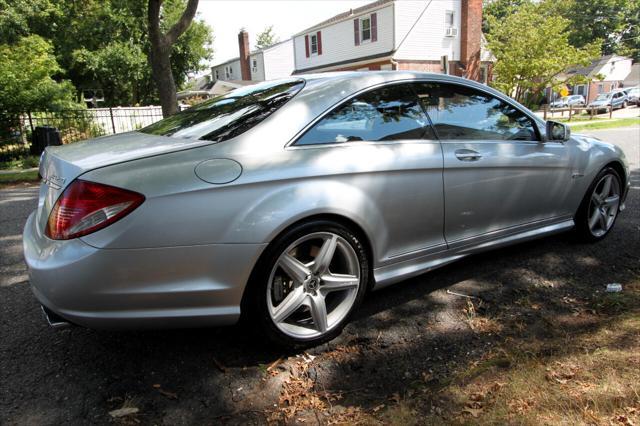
468, 155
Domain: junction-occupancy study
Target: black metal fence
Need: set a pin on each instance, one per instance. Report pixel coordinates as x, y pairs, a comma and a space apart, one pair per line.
16, 129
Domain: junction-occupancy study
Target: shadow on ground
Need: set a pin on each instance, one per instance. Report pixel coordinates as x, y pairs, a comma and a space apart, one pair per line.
422, 330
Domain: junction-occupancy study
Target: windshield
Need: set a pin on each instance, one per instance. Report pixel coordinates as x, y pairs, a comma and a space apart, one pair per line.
229, 115
603, 97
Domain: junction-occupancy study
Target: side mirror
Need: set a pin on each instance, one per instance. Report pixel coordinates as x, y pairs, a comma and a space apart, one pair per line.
558, 131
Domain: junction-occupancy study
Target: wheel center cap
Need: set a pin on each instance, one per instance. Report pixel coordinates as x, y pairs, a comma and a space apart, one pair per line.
312, 283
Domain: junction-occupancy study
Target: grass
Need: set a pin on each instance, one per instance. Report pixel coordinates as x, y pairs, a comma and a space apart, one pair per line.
586, 377
26, 162
18, 177
608, 124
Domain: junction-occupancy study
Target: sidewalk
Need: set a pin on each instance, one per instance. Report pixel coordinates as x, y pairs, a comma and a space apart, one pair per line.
629, 112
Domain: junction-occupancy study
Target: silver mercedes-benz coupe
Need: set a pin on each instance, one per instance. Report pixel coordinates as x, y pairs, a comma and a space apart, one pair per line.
288, 200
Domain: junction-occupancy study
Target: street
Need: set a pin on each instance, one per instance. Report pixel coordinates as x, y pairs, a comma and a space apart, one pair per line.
206, 376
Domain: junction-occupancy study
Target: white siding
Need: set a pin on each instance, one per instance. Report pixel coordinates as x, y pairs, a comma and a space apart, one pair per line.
235, 70
258, 74
427, 40
618, 68
279, 61
338, 41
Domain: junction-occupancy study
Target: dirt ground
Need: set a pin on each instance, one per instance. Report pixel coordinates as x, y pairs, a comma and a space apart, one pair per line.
445, 347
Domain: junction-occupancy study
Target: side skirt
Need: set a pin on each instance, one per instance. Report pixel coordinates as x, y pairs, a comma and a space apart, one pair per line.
391, 274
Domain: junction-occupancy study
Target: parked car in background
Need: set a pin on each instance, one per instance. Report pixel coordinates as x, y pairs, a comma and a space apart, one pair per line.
633, 96
615, 99
288, 200
566, 101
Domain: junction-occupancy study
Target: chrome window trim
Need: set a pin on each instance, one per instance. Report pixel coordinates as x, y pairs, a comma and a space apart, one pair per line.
291, 145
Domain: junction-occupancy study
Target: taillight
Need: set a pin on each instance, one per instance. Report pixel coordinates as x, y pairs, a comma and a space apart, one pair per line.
84, 207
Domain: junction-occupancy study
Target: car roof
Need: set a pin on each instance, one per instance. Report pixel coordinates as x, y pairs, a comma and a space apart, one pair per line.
387, 76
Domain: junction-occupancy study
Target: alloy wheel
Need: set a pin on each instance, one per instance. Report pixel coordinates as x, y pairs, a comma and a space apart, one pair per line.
603, 206
313, 285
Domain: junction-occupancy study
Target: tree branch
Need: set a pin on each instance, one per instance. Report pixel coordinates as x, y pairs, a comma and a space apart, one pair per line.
183, 23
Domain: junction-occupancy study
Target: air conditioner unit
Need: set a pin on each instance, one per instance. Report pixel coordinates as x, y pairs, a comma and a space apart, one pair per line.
451, 32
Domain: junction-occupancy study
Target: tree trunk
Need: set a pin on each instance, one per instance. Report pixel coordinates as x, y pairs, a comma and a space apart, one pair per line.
160, 54
163, 77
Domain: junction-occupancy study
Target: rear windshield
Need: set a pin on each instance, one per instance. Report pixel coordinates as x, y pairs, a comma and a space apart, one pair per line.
603, 97
229, 115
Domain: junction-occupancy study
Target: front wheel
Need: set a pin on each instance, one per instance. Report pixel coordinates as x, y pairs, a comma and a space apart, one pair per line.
625, 104
599, 208
309, 282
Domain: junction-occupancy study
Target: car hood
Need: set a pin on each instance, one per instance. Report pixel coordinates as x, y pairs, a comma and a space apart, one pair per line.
108, 150
604, 102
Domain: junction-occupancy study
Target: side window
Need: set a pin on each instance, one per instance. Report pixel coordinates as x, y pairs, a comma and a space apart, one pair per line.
384, 114
463, 113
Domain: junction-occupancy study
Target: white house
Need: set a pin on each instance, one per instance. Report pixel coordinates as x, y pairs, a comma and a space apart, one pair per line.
604, 74
436, 36
270, 63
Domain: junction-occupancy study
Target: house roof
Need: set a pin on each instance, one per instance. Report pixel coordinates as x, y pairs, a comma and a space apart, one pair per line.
237, 58
595, 67
347, 14
633, 79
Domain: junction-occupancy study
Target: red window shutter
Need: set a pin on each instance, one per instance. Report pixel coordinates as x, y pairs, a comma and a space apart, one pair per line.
319, 38
374, 27
306, 45
356, 32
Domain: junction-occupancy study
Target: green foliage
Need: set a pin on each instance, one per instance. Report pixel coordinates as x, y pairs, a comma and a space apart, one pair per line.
615, 23
267, 38
27, 69
103, 44
532, 50
498, 10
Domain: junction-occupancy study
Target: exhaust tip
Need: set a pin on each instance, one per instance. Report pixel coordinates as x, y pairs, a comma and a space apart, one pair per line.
54, 320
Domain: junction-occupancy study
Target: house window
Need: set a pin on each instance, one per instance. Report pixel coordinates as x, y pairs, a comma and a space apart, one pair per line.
254, 65
580, 89
365, 29
449, 18
226, 72
600, 88
314, 44
217, 75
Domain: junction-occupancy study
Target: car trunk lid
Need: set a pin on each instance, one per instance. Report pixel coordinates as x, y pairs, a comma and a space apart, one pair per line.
59, 166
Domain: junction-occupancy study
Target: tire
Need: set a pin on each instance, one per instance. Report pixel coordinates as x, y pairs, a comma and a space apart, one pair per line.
598, 211
274, 293
625, 104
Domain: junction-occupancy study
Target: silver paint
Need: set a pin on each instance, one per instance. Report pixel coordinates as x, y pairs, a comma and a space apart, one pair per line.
184, 257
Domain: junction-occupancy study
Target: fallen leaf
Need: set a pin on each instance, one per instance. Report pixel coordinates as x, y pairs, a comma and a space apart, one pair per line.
168, 394
274, 364
475, 412
122, 412
219, 365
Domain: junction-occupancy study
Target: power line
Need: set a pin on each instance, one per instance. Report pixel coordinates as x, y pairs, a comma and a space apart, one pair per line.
414, 24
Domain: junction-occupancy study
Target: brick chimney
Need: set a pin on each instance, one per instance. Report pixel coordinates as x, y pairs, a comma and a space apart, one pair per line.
243, 46
470, 38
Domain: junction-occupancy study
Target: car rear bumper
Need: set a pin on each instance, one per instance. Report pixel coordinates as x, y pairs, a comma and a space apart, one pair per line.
163, 287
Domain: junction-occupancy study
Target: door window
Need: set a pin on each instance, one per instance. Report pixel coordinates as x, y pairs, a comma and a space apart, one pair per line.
459, 112
384, 114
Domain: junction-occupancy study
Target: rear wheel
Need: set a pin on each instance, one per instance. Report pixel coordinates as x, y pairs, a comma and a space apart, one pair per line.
308, 284
599, 208
625, 104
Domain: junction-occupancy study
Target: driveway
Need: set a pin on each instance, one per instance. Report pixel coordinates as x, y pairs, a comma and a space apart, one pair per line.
420, 330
